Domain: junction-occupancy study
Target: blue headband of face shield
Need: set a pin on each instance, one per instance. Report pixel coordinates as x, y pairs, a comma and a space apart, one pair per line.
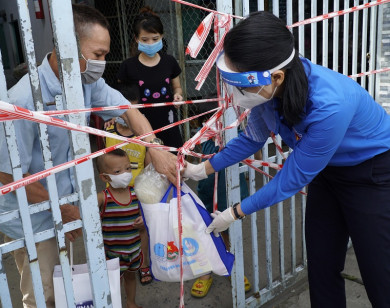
248, 79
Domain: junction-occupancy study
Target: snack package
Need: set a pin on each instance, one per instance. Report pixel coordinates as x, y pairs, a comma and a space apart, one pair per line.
150, 186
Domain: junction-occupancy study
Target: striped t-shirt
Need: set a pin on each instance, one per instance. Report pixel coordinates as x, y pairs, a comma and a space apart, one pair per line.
119, 235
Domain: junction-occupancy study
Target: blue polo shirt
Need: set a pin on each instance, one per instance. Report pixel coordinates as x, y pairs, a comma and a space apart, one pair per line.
98, 94
342, 126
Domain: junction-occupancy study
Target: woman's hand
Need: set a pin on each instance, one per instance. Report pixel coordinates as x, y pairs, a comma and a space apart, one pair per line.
195, 172
222, 221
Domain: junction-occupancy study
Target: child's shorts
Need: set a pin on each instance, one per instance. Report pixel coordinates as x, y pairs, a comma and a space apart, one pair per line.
128, 262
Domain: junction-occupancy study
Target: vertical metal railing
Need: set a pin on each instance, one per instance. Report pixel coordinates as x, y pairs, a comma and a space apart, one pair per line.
373, 42
363, 60
68, 63
5, 295
233, 196
378, 51
313, 33
28, 41
325, 31
336, 27
355, 39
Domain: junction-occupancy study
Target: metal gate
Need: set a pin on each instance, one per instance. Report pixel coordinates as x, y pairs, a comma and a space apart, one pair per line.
271, 250
85, 192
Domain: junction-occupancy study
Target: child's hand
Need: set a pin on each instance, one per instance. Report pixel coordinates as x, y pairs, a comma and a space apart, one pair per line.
177, 98
138, 223
109, 123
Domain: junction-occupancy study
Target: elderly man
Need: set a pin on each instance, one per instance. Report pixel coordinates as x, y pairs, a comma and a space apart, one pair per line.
94, 39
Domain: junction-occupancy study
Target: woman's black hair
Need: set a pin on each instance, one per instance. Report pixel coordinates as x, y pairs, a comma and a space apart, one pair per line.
261, 42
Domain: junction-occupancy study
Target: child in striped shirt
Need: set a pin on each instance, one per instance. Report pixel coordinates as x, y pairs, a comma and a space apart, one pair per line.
119, 209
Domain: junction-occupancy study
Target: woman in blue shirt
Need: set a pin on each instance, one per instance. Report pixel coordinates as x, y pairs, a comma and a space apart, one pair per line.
340, 139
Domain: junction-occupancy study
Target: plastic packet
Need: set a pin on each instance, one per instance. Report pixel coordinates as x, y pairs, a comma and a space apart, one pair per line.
150, 186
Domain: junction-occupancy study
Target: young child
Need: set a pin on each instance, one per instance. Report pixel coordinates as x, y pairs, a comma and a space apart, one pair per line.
139, 158
119, 210
156, 74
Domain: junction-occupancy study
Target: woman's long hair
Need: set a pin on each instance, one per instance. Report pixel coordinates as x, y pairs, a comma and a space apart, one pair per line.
261, 42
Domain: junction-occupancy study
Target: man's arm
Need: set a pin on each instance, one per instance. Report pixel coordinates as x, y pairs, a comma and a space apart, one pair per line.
103, 95
37, 193
163, 161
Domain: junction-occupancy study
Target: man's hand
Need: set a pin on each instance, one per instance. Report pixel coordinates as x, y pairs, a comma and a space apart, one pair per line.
221, 221
164, 162
70, 213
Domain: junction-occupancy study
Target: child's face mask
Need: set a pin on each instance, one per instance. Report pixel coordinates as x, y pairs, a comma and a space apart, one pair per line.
120, 180
150, 49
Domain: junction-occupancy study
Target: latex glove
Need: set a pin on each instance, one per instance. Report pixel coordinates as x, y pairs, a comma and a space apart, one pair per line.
221, 221
195, 172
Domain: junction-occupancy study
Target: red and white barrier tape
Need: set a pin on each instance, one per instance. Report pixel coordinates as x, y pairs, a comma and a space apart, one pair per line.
249, 164
190, 144
211, 60
204, 9
6, 117
381, 70
262, 163
338, 13
199, 37
208, 65
45, 173
34, 116
179, 164
278, 147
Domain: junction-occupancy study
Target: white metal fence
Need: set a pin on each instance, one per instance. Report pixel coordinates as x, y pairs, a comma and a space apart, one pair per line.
271, 251
349, 44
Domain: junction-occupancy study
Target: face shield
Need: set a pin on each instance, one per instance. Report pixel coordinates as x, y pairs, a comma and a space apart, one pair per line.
243, 88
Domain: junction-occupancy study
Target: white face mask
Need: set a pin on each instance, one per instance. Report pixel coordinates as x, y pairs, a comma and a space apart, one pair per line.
93, 71
248, 100
120, 180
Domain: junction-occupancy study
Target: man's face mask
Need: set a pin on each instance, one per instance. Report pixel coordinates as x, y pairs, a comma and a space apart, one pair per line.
150, 49
93, 71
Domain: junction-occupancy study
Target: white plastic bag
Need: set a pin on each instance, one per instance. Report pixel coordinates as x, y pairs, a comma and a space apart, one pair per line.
82, 285
150, 186
202, 252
